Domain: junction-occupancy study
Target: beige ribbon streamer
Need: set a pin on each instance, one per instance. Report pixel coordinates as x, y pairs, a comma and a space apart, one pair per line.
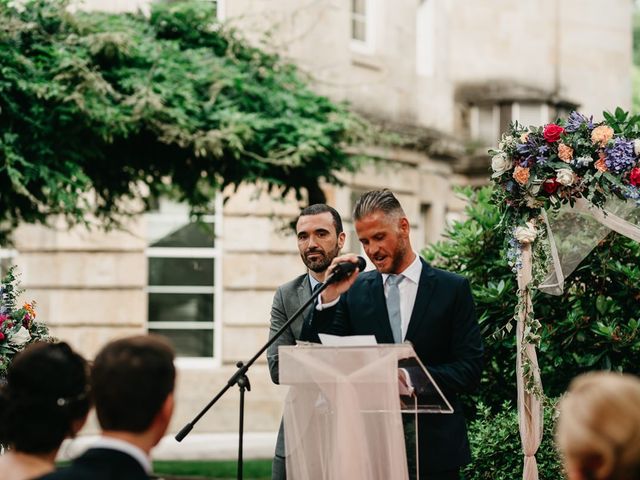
609, 219
529, 405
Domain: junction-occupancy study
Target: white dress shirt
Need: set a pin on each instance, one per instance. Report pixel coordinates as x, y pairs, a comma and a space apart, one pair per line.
408, 288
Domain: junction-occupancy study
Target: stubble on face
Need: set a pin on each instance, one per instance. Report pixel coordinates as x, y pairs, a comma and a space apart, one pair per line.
318, 241
317, 260
384, 241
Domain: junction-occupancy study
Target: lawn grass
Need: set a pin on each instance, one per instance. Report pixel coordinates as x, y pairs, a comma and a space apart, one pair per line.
252, 469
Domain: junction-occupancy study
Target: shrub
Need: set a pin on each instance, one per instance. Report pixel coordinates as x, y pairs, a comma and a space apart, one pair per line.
496, 450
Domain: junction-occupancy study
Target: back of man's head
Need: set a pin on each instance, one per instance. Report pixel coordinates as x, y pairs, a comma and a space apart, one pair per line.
131, 380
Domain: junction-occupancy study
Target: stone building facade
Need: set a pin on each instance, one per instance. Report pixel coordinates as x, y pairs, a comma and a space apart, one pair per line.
450, 73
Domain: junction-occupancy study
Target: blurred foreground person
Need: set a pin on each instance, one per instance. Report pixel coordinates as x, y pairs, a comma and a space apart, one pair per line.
45, 400
599, 427
132, 380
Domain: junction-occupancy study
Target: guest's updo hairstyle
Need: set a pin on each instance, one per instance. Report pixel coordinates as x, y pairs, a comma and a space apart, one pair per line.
599, 426
46, 390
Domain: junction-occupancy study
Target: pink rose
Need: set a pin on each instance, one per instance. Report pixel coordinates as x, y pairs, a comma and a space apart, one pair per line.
552, 132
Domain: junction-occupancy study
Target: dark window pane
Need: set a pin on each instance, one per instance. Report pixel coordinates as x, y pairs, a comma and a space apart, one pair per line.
198, 235
180, 307
189, 343
505, 117
358, 30
181, 271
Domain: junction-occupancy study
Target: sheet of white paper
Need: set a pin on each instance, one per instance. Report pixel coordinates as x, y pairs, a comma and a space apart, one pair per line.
352, 341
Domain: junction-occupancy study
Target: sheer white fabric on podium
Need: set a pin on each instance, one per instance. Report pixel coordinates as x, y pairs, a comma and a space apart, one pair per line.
342, 414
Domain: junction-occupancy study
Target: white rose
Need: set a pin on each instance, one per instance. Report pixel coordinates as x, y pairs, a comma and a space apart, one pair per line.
526, 234
565, 176
583, 161
500, 163
636, 146
21, 337
507, 141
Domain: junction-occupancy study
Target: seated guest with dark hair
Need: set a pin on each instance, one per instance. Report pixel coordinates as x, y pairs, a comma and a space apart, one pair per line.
45, 400
132, 381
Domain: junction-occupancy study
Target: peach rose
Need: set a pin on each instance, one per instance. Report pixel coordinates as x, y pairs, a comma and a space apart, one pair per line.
600, 164
601, 135
524, 137
521, 175
565, 153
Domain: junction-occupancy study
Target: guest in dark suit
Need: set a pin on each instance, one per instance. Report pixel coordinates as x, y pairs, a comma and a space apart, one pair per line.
132, 381
405, 299
320, 239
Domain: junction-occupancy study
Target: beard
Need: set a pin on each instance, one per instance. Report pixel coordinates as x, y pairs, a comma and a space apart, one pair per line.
398, 258
322, 262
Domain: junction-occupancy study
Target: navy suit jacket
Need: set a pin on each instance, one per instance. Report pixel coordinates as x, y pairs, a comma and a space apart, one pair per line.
101, 464
446, 337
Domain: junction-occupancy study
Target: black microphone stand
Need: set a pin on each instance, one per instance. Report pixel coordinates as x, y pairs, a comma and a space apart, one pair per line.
240, 377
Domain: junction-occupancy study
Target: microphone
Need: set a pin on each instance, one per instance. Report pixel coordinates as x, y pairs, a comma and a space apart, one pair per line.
344, 269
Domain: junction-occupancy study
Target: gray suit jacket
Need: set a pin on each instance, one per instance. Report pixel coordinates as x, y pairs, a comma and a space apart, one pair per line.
286, 301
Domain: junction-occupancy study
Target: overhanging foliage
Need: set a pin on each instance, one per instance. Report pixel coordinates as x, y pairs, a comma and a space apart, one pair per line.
99, 109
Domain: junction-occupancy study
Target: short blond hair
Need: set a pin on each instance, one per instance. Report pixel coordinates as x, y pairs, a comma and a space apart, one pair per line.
599, 426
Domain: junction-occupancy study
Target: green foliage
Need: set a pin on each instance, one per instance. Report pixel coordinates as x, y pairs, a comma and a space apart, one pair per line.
100, 112
496, 450
252, 469
595, 324
18, 326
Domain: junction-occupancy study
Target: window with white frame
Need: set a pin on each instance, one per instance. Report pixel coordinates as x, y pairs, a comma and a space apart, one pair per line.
183, 279
489, 121
7, 258
220, 8
425, 36
362, 25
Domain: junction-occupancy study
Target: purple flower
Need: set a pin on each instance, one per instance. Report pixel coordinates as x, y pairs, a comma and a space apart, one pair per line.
541, 158
577, 120
632, 193
620, 156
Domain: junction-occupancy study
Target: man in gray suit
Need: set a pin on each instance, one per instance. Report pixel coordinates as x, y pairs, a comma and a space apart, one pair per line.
320, 239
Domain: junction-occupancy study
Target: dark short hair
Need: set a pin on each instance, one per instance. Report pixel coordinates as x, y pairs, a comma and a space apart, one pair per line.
46, 391
317, 209
377, 201
131, 378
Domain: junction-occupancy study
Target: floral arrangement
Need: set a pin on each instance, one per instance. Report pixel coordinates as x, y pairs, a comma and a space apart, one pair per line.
18, 326
544, 167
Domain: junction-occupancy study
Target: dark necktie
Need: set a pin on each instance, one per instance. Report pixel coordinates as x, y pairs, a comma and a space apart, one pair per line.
308, 333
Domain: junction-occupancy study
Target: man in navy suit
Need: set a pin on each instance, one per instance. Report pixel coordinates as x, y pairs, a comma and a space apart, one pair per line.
405, 299
132, 382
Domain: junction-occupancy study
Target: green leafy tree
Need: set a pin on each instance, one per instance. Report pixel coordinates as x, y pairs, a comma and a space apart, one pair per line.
595, 324
101, 112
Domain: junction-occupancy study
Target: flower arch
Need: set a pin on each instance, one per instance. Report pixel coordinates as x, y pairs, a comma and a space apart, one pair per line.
561, 189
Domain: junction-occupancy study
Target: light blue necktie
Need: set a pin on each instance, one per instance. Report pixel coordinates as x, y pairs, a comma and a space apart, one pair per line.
393, 306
